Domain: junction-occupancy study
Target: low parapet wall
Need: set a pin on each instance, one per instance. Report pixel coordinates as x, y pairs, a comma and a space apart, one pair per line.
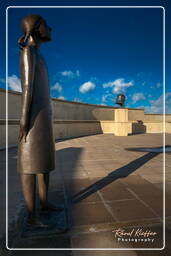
68, 110
72, 119
62, 109
136, 114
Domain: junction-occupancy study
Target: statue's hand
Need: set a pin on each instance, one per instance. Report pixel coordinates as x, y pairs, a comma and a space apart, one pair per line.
23, 132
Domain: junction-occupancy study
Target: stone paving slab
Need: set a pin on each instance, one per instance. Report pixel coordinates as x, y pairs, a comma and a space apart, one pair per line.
146, 192
106, 186
90, 213
127, 197
137, 210
76, 186
110, 239
117, 192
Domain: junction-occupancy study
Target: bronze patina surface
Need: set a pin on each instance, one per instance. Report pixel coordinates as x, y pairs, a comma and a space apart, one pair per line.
36, 148
36, 144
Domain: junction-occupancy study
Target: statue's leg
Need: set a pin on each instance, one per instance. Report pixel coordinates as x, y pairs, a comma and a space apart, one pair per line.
43, 187
29, 190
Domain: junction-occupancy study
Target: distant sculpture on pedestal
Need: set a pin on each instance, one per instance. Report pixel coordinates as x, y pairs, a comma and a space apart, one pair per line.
120, 100
36, 148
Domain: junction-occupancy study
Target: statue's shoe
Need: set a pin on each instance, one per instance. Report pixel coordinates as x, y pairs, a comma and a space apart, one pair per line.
37, 224
33, 228
51, 207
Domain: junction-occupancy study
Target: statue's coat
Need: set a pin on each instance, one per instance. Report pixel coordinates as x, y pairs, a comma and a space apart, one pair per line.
37, 153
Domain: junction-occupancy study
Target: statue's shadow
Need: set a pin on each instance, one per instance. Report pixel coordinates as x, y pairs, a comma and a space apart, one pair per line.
69, 158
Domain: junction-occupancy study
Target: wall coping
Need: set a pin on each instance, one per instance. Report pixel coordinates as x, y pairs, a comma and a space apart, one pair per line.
10, 91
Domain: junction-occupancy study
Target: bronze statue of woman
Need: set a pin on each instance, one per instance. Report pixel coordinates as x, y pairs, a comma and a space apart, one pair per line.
36, 148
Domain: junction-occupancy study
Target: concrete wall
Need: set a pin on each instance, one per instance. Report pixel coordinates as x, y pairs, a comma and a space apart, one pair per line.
66, 110
14, 104
13, 130
62, 109
75, 128
2, 104
136, 114
72, 119
152, 127
156, 117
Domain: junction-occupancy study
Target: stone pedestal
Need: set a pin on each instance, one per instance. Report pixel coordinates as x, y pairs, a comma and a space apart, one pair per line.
122, 126
123, 129
121, 115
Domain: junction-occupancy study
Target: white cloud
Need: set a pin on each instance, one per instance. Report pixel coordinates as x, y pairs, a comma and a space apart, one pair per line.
157, 105
119, 85
88, 86
158, 85
104, 98
14, 83
58, 87
77, 99
70, 74
107, 97
61, 98
137, 97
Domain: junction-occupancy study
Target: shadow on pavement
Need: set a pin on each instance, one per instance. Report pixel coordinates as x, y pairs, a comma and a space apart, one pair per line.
153, 149
114, 175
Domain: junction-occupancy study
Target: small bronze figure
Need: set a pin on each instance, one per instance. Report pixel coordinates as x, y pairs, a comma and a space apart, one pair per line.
36, 148
120, 100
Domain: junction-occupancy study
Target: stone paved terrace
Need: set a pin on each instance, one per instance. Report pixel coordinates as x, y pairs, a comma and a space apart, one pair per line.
109, 187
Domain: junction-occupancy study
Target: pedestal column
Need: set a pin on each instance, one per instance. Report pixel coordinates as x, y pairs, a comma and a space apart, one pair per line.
122, 126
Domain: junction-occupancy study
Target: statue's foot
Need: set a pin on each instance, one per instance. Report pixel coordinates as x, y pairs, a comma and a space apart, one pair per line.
36, 224
36, 227
51, 207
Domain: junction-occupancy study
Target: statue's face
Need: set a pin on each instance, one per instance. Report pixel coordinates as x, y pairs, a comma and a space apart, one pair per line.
45, 32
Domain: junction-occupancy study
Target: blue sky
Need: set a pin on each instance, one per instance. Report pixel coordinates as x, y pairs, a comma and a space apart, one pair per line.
97, 53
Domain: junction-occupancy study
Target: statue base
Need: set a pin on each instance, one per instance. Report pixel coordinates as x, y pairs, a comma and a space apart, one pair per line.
51, 235
53, 223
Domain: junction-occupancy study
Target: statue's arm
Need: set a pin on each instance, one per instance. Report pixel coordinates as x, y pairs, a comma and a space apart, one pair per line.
27, 73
